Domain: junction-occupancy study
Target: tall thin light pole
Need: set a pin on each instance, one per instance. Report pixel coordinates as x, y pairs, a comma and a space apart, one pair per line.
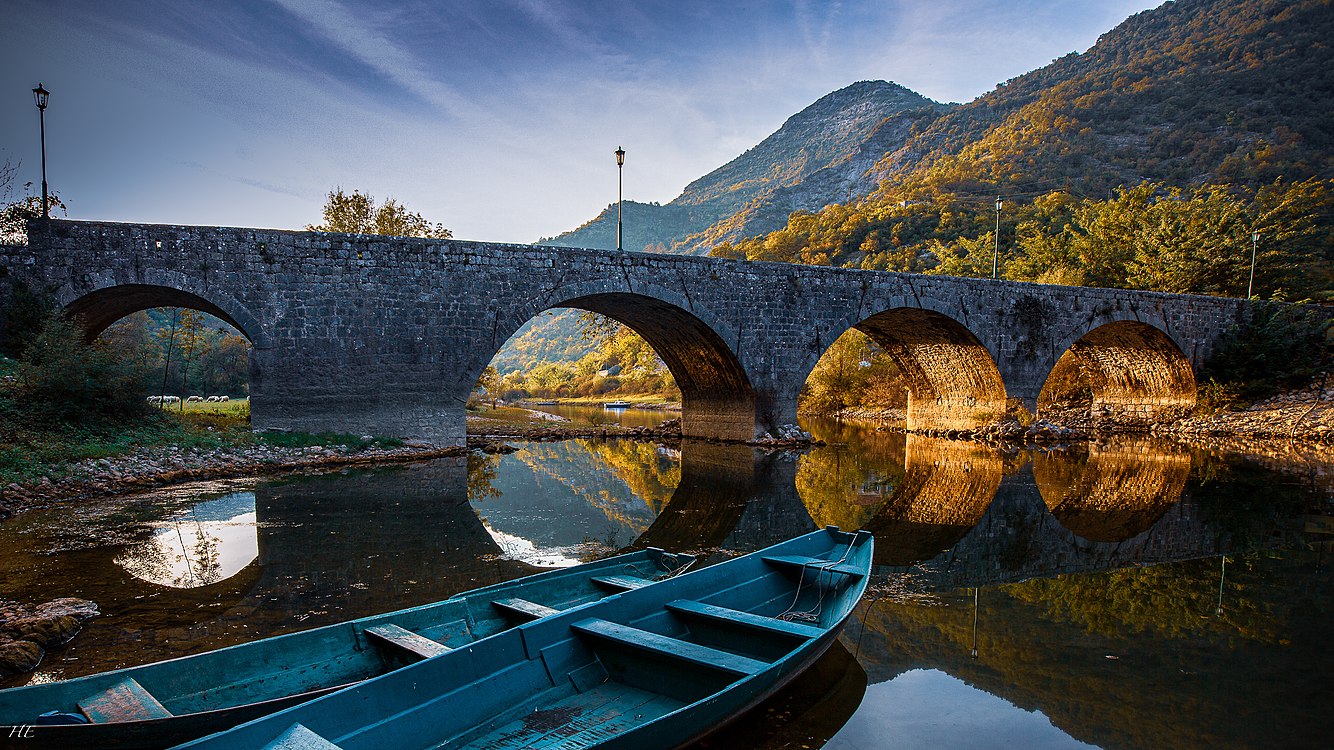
973, 653
620, 172
995, 253
40, 95
1255, 240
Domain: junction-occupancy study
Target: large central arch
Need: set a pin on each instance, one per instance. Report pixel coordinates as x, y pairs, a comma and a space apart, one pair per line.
717, 399
953, 382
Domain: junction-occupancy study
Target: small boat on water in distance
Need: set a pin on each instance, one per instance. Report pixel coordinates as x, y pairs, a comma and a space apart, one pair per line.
168, 702
654, 667
618, 404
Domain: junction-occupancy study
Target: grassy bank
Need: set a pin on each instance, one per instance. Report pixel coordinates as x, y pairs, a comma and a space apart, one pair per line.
31, 450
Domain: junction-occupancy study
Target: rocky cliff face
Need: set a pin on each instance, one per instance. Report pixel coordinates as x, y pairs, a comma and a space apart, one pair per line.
837, 138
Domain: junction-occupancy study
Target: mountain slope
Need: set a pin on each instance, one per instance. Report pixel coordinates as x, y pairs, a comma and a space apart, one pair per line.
830, 131
1194, 91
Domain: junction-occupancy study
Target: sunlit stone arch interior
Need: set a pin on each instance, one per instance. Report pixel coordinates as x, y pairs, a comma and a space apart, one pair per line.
1126, 370
951, 378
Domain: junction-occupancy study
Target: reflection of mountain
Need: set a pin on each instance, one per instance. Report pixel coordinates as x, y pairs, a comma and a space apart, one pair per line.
1184, 678
1114, 492
580, 471
651, 474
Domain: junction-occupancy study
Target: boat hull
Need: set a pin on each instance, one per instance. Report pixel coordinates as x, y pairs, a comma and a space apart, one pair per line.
213, 691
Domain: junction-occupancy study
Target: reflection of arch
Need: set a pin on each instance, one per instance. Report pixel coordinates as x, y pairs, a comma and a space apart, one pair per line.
717, 483
103, 306
947, 487
717, 399
1115, 494
953, 382
1127, 369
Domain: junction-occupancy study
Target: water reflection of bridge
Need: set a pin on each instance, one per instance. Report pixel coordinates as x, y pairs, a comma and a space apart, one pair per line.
965, 513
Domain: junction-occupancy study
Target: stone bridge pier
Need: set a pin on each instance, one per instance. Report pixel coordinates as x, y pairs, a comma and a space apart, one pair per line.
388, 335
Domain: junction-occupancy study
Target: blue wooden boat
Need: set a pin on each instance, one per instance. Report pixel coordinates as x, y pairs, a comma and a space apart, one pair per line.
654, 667
168, 702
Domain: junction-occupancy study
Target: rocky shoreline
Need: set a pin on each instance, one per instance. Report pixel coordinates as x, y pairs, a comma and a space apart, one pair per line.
1304, 416
155, 467
1301, 418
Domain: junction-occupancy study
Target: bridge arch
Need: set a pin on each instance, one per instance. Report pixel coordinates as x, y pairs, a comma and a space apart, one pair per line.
952, 379
717, 398
108, 301
1127, 370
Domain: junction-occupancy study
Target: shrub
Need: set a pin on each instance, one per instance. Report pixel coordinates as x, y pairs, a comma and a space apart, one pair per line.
1282, 346
63, 379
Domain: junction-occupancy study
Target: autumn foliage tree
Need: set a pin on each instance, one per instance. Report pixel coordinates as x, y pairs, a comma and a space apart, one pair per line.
358, 213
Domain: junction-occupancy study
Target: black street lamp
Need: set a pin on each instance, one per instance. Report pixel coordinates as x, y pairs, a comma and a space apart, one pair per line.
620, 171
40, 95
1255, 240
995, 254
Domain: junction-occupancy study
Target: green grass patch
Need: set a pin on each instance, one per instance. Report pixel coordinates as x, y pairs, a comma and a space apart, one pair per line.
32, 450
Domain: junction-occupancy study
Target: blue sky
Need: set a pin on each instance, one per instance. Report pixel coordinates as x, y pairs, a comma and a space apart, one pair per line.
497, 118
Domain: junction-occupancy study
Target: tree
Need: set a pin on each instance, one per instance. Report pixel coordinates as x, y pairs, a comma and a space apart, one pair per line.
357, 213
490, 384
16, 214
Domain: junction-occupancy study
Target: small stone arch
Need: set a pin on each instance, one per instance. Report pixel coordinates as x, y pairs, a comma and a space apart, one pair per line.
1128, 371
953, 381
103, 305
717, 398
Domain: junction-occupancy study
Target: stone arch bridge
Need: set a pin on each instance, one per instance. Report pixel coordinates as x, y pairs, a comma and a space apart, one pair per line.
388, 335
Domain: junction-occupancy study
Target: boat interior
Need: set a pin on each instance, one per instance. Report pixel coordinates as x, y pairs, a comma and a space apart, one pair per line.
574, 682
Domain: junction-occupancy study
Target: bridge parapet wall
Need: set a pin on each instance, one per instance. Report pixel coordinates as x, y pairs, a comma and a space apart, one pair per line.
388, 335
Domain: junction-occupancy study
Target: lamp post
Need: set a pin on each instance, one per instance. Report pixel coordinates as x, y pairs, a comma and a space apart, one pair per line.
1255, 240
973, 653
40, 95
620, 171
995, 253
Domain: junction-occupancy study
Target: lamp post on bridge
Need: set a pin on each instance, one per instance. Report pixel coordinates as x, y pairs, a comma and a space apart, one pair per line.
40, 95
1255, 240
995, 253
620, 172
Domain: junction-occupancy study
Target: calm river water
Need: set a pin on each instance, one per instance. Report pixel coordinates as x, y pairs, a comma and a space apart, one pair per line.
1127, 594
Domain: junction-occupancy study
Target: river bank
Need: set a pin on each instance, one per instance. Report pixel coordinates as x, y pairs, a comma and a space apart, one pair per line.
147, 468
1304, 416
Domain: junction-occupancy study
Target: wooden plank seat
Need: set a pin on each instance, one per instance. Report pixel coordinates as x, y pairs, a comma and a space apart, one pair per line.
744, 619
674, 648
524, 609
127, 700
621, 583
799, 561
298, 737
405, 641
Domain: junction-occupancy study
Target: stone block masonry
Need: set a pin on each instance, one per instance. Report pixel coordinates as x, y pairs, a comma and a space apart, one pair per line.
388, 335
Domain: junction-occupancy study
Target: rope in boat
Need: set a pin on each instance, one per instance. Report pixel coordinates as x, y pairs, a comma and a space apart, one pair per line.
813, 614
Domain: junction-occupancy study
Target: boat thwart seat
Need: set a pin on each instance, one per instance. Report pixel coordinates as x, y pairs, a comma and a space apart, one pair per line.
298, 737
663, 645
743, 619
524, 609
800, 561
404, 641
127, 700
621, 583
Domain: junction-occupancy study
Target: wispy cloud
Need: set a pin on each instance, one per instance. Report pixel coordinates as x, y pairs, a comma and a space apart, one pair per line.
358, 35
